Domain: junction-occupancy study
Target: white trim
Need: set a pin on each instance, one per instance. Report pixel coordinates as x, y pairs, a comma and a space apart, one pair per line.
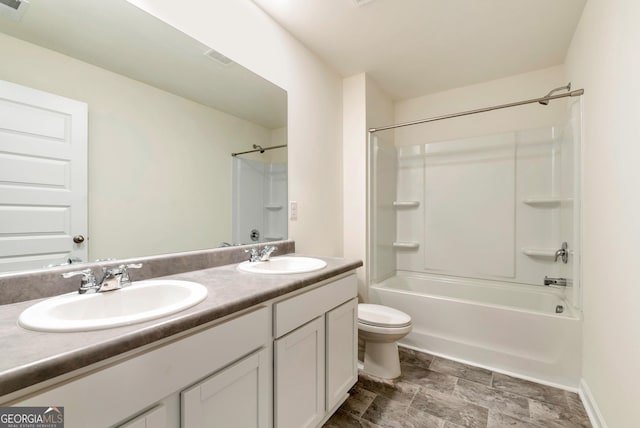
590, 405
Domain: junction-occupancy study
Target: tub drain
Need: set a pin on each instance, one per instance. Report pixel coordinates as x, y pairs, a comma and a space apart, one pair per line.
559, 309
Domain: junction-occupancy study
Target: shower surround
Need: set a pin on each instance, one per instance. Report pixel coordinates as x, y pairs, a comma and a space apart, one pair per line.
464, 232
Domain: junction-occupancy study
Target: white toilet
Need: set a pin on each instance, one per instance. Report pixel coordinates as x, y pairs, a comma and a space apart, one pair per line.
381, 327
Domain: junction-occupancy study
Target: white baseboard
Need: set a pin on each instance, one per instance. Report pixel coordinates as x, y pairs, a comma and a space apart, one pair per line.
591, 406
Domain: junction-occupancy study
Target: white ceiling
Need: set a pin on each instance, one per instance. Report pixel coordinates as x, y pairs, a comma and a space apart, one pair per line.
416, 47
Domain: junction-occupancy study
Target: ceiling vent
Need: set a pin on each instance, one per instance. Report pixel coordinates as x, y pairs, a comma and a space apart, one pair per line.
14, 9
216, 56
362, 2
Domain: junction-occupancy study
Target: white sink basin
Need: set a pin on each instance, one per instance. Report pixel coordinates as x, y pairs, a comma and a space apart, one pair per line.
141, 301
283, 265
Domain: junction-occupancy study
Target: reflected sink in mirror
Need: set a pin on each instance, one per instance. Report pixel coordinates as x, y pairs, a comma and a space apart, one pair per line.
283, 265
141, 301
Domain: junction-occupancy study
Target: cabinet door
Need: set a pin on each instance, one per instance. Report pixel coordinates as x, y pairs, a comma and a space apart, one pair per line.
299, 376
237, 396
342, 351
154, 418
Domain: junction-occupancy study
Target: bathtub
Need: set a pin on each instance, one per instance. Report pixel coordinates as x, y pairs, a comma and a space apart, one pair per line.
508, 328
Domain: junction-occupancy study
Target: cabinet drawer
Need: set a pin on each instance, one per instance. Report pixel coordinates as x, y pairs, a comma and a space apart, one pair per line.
292, 313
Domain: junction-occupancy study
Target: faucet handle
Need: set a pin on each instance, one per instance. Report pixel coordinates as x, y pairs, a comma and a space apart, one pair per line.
254, 255
86, 273
125, 280
88, 279
266, 252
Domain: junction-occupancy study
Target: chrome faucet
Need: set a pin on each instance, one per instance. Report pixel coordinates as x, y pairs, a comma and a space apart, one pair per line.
113, 278
260, 256
563, 253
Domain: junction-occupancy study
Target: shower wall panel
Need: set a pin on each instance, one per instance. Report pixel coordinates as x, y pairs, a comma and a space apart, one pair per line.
469, 210
485, 207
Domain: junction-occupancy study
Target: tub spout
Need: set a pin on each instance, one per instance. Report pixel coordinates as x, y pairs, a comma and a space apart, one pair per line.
555, 282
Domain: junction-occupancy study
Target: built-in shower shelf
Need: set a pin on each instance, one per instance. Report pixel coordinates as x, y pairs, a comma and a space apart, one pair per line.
402, 245
406, 204
546, 201
539, 252
273, 207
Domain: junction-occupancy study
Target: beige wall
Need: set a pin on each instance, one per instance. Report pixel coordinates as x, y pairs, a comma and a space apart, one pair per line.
514, 88
603, 58
354, 137
364, 105
242, 32
159, 165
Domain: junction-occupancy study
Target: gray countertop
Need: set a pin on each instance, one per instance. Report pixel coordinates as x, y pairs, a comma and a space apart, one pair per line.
31, 357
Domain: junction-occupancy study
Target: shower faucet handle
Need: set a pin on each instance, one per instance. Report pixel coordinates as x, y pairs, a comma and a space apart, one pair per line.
563, 253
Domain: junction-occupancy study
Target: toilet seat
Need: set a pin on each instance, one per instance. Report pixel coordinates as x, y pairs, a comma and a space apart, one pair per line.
382, 316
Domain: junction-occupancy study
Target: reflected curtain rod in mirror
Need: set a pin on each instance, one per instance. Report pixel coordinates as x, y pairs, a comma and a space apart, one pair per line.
257, 148
171, 191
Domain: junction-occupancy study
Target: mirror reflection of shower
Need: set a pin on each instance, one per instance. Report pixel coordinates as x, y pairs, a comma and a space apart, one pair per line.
259, 195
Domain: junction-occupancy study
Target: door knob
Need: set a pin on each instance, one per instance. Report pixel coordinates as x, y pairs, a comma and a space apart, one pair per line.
78, 239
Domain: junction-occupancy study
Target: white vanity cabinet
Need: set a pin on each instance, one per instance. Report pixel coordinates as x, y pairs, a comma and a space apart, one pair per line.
314, 353
119, 394
286, 363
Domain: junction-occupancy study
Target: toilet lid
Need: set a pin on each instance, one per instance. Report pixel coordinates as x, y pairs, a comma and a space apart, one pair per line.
382, 316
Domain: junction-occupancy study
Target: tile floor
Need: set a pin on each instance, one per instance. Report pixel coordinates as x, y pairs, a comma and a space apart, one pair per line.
439, 393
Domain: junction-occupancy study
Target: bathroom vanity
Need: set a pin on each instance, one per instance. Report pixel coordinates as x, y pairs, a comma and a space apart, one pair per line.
259, 351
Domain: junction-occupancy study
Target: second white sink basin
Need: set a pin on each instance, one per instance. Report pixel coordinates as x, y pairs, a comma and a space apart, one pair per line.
283, 265
141, 301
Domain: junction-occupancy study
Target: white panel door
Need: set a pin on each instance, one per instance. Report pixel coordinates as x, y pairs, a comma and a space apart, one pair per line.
300, 377
43, 178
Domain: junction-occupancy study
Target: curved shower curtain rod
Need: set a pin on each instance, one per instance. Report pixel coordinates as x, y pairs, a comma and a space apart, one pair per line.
258, 149
543, 100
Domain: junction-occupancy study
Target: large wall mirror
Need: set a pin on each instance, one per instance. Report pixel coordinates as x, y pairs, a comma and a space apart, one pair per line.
165, 115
